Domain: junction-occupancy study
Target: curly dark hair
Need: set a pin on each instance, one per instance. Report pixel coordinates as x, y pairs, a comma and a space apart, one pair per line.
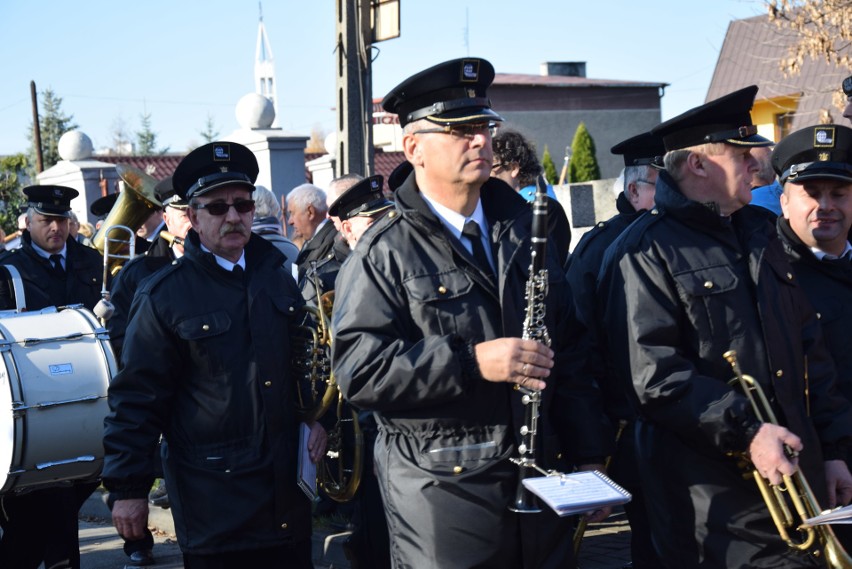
511, 146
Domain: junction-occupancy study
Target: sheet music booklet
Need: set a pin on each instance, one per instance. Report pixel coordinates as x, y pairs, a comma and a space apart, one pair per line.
307, 469
836, 516
578, 492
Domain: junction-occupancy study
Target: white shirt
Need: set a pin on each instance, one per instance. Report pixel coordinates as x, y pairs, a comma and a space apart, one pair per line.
454, 222
225, 263
822, 255
47, 255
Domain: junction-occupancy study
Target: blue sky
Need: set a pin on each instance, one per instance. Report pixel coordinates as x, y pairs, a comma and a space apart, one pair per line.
180, 61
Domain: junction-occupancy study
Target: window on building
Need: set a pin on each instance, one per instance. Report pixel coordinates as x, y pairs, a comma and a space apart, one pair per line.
783, 125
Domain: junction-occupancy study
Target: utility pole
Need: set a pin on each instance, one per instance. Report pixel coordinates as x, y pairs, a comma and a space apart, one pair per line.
360, 24
36, 130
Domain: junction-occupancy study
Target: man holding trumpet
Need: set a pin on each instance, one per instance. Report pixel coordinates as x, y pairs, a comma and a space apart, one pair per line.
701, 275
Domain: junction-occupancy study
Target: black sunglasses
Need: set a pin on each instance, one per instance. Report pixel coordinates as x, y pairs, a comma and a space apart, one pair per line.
221, 208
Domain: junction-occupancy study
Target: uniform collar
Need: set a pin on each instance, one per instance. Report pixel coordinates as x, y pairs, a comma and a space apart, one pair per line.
42, 253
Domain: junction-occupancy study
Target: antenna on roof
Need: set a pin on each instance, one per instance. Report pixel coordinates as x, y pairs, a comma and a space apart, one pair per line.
466, 32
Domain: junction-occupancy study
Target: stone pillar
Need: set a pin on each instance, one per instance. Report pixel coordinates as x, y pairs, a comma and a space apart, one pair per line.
280, 155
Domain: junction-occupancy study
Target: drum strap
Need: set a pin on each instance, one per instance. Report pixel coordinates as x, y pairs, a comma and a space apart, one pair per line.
18, 287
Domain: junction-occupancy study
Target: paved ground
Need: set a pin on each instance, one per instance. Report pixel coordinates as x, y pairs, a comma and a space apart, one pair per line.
604, 547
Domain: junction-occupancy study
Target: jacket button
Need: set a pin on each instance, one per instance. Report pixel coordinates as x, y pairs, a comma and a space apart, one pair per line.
442, 289
206, 327
284, 525
601, 224
818, 315
789, 276
457, 469
267, 384
392, 214
654, 211
779, 373
708, 284
174, 262
292, 309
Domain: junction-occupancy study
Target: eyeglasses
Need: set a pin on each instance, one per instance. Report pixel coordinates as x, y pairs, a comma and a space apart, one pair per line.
467, 131
221, 208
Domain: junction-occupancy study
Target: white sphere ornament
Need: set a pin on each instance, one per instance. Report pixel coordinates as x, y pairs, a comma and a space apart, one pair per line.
75, 145
254, 111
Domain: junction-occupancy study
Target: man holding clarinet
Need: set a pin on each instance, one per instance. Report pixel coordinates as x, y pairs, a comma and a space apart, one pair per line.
428, 327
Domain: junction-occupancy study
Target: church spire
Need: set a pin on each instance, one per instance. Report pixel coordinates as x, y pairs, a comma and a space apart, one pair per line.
264, 67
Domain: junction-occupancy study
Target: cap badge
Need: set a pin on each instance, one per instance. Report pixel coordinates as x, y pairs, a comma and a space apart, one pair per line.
221, 152
470, 71
824, 137
824, 156
374, 184
57, 193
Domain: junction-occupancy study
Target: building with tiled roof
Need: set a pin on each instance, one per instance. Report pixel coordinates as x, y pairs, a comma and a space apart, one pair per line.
549, 107
159, 166
751, 54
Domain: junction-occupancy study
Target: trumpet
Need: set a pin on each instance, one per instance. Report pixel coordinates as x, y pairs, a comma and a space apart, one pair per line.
171, 238
818, 541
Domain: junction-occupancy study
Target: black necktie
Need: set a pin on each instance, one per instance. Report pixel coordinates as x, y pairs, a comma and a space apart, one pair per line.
56, 261
471, 231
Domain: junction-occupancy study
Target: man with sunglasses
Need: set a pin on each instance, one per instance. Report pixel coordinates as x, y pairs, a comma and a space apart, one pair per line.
206, 363
428, 321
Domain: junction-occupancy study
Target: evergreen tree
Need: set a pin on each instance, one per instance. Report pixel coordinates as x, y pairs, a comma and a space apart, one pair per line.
550, 173
53, 124
584, 165
13, 178
146, 139
210, 133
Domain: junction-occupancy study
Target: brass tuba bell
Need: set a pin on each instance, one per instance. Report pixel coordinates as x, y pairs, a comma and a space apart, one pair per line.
134, 206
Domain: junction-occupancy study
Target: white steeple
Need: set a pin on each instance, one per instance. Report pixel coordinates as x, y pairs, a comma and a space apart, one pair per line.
264, 68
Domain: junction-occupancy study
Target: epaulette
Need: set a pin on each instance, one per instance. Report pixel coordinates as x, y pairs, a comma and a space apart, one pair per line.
150, 283
378, 228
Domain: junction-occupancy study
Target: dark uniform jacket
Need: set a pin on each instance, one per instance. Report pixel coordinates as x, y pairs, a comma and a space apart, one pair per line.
582, 274
684, 285
43, 287
410, 305
317, 247
828, 284
325, 271
127, 281
206, 363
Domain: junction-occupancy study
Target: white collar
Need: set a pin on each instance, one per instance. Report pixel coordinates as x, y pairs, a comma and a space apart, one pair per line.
822, 255
453, 220
225, 263
47, 255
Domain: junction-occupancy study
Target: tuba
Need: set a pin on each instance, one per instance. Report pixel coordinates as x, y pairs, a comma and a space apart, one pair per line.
818, 541
134, 205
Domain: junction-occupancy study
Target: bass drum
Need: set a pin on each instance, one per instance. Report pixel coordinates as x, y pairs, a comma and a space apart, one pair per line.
56, 366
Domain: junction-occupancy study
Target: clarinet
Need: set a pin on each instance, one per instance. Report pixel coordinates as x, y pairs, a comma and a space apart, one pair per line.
534, 329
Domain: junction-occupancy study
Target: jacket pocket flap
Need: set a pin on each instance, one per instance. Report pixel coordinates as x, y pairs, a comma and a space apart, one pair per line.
204, 326
707, 280
439, 286
286, 304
